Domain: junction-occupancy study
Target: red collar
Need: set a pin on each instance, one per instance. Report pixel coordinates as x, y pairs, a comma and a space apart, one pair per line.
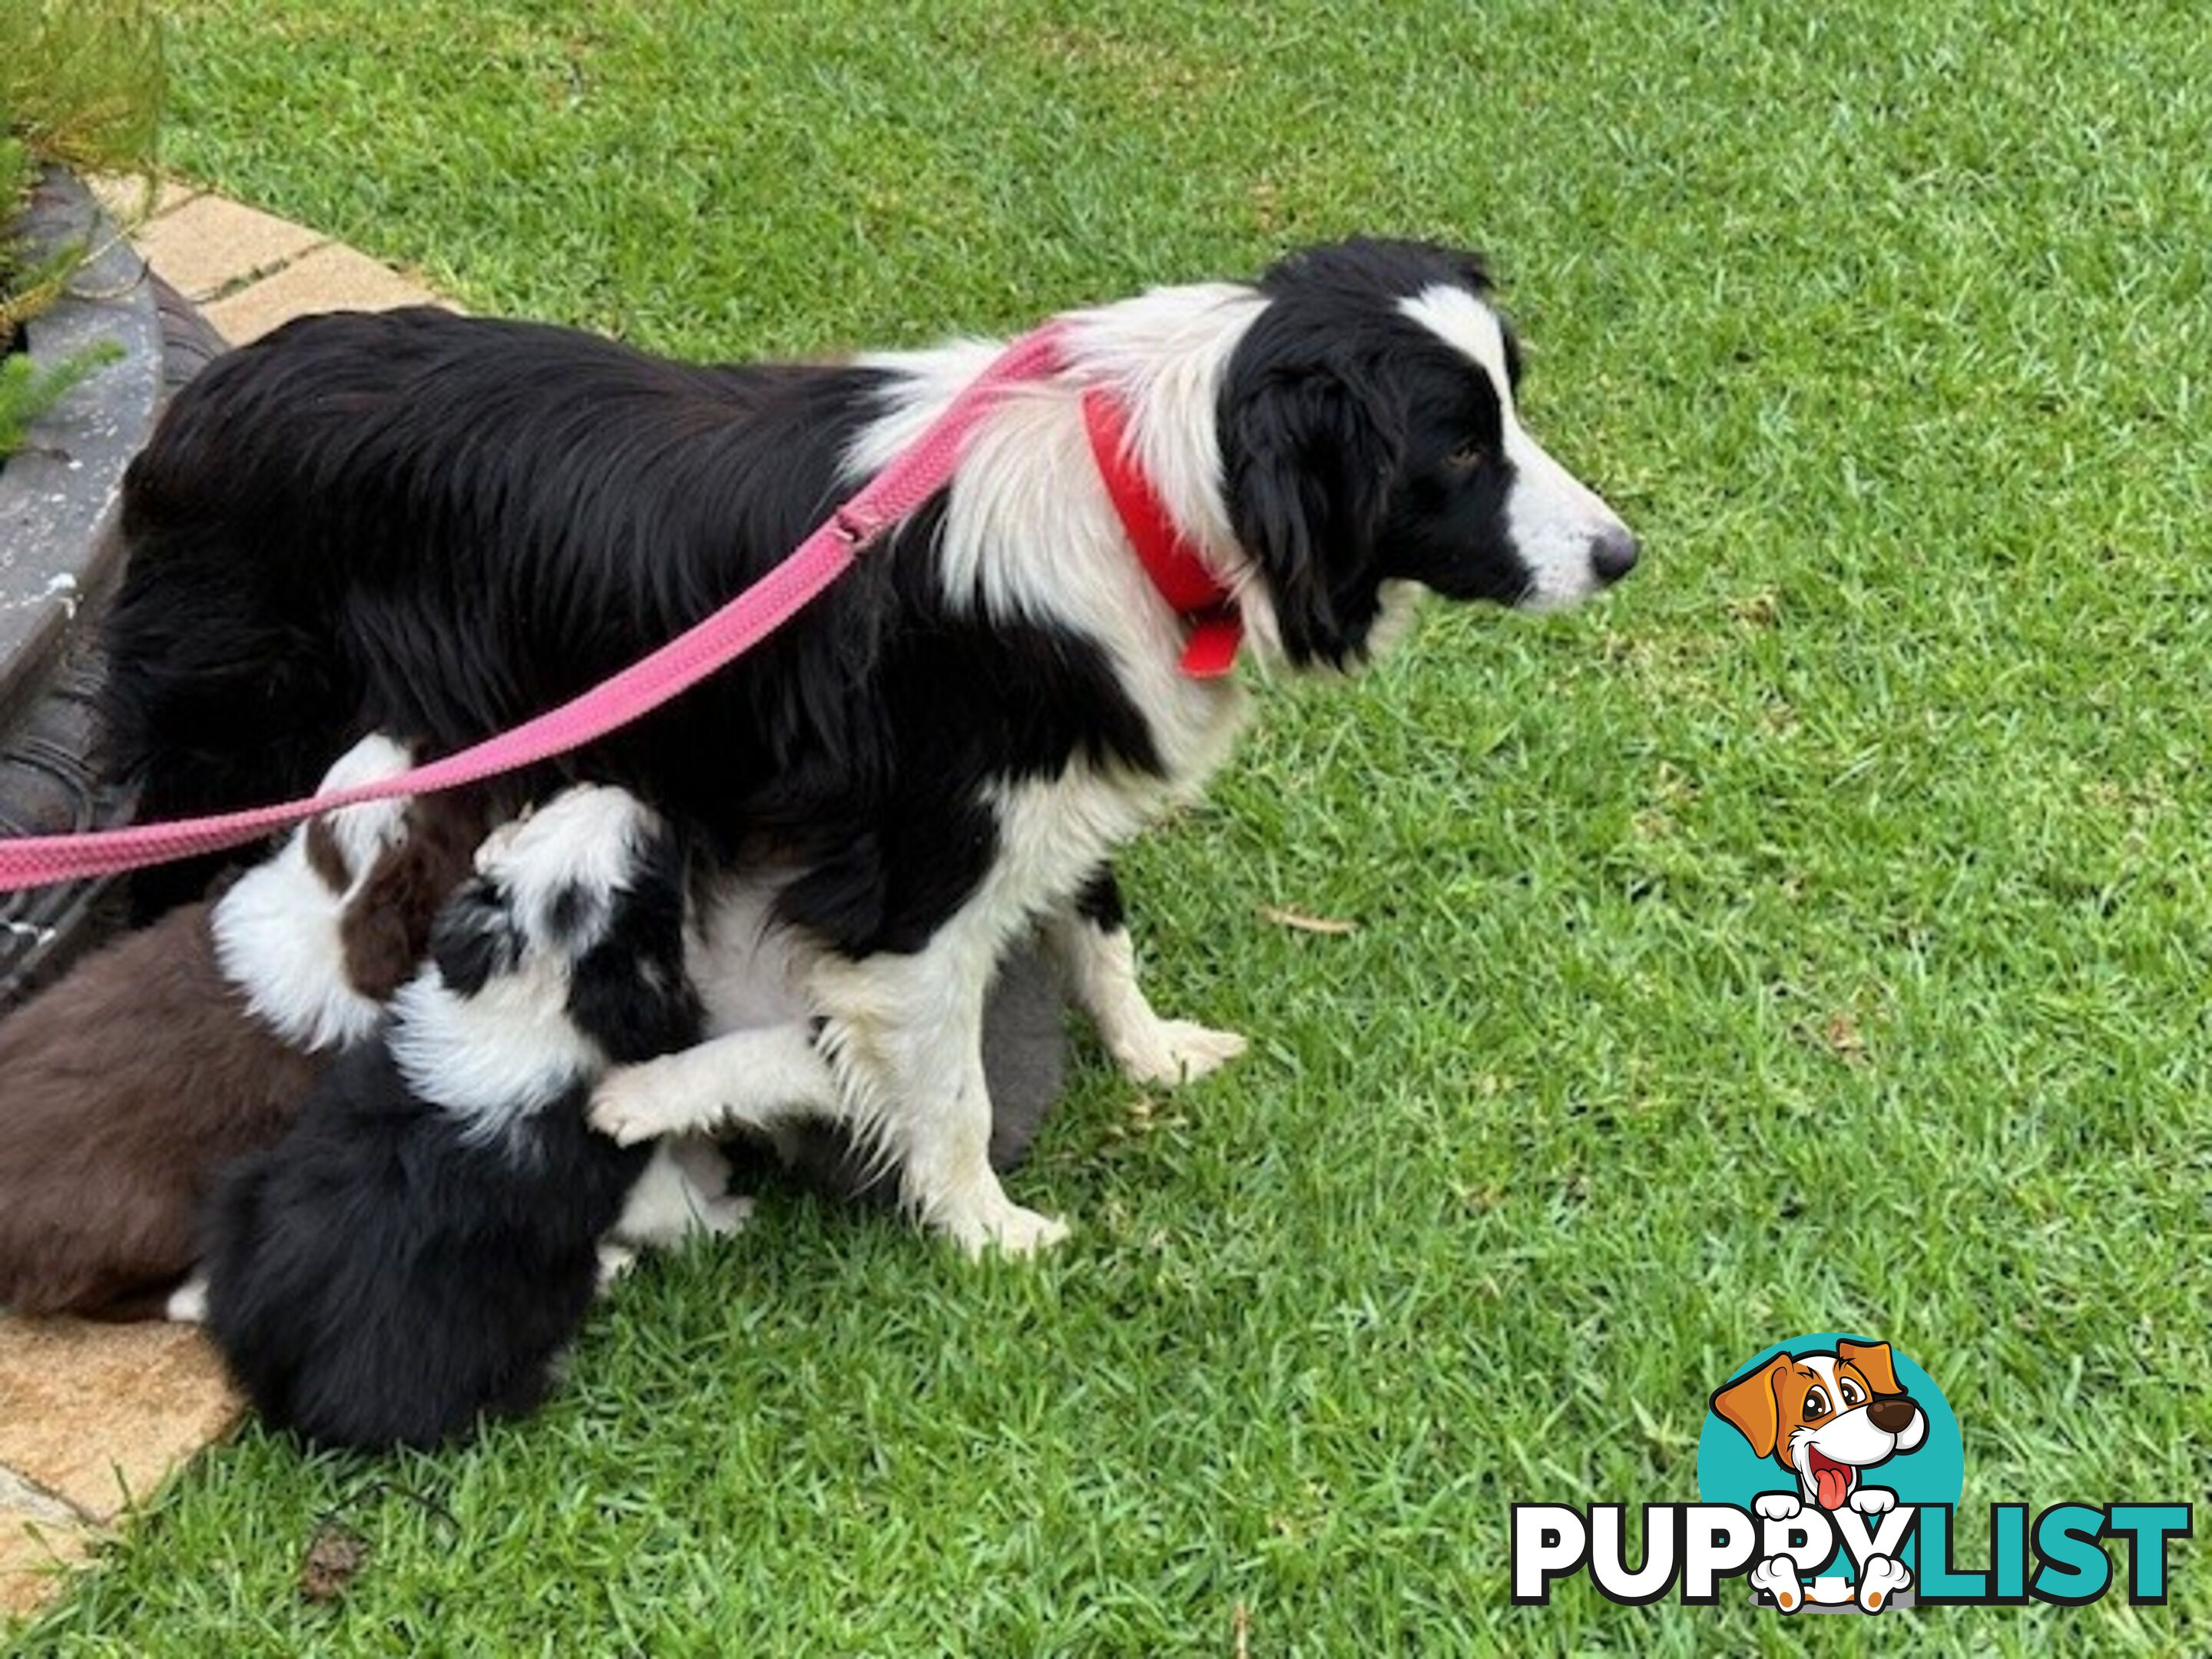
1192, 591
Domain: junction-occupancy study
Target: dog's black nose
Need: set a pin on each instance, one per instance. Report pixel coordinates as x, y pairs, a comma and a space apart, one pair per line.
1613, 555
1893, 1415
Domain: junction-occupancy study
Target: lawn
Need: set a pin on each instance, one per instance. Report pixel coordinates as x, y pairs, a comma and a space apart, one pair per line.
1813, 936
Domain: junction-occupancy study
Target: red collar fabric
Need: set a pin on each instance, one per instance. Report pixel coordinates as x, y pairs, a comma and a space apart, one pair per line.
1192, 591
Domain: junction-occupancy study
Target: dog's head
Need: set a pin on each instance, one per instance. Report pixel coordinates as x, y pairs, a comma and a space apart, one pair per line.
392, 890
1371, 436
319, 936
580, 903
1823, 1417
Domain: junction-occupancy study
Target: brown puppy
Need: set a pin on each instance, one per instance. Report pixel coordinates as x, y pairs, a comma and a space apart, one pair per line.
126, 1086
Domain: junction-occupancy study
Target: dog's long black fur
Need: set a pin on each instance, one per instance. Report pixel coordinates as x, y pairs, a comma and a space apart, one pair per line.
462, 522
390, 1274
444, 525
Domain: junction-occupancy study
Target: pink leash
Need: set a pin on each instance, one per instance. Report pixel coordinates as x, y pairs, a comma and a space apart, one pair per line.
915, 476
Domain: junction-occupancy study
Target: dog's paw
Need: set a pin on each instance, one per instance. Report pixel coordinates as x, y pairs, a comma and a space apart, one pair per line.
1008, 1229
1880, 1580
630, 1106
614, 1261
1874, 1500
1178, 1051
703, 1163
1777, 1577
1776, 1505
718, 1217
188, 1302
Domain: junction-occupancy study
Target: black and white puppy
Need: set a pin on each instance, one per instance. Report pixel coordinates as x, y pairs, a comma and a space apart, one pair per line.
445, 524
419, 1248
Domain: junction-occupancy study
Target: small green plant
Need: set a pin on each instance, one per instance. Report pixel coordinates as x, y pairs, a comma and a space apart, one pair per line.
28, 391
81, 86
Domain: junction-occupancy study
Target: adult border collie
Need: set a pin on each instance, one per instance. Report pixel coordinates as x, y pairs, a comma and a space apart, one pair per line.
443, 525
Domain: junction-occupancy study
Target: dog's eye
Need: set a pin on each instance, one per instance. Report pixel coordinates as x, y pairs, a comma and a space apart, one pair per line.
1467, 457
1816, 1404
1850, 1390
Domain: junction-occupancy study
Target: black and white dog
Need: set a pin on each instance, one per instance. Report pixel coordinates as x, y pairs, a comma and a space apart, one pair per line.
443, 525
421, 1245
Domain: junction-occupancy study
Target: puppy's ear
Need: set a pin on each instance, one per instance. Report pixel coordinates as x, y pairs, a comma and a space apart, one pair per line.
474, 938
1312, 454
386, 927
1873, 1362
1749, 1405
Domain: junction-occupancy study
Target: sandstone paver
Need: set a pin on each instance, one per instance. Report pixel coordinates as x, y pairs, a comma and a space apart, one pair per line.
209, 246
331, 278
125, 199
98, 1414
32, 1552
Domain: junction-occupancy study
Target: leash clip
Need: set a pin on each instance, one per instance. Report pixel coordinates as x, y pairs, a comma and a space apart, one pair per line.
851, 529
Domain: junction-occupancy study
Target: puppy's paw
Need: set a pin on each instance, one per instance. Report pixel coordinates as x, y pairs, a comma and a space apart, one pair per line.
1008, 1229
703, 1162
1178, 1051
1879, 1580
188, 1302
1777, 1577
632, 1105
614, 1261
1874, 1500
718, 1217
1776, 1505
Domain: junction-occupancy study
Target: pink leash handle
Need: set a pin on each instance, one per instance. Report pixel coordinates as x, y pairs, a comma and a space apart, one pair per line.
917, 473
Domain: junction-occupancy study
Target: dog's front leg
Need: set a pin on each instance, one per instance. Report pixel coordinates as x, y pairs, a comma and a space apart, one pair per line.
907, 1035
1090, 938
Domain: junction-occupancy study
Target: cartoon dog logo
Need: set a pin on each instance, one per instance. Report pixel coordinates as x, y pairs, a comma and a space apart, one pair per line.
1824, 1417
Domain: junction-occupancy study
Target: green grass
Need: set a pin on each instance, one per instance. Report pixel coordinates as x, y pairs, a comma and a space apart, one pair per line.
1813, 936
81, 85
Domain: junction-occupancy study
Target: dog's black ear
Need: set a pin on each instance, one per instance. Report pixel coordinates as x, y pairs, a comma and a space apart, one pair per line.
1310, 460
474, 936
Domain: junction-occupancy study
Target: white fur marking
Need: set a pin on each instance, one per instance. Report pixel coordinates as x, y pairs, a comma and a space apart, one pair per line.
1553, 518
495, 1057
188, 1302
276, 931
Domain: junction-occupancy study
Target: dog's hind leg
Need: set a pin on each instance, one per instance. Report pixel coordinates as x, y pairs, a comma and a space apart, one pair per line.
1090, 938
